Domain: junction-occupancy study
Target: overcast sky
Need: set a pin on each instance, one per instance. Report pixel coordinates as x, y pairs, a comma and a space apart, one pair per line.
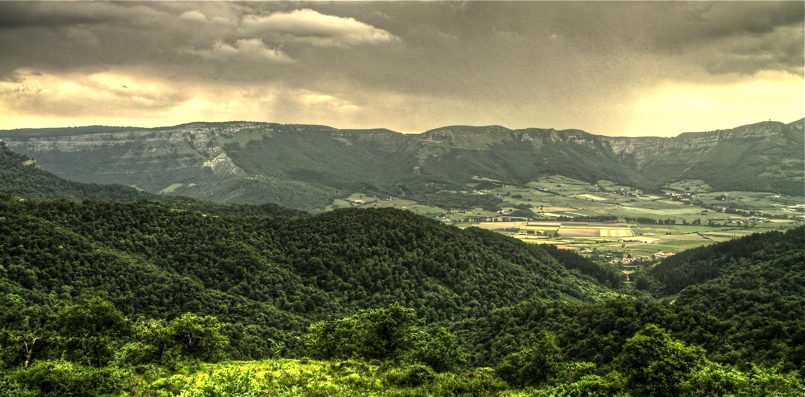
611, 68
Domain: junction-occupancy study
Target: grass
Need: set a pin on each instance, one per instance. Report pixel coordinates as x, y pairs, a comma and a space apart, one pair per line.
171, 188
573, 198
360, 200
286, 377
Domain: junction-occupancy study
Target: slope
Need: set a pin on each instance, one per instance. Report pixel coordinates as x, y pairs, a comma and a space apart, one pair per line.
742, 300
273, 273
22, 176
308, 166
758, 275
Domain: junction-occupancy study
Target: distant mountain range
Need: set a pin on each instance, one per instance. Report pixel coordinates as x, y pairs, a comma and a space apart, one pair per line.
307, 166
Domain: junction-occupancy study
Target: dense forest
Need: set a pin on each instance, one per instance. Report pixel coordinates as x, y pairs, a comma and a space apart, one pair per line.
103, 298
159, 262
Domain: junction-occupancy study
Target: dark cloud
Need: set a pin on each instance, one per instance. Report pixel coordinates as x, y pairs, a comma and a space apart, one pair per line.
414, 64
18, 15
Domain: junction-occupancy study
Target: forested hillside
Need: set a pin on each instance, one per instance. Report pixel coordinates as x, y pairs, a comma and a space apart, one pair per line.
726, 298
21, 176
135, 296
275, 273
106, 288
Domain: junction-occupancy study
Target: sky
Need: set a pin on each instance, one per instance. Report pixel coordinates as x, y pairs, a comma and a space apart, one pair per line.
608, 68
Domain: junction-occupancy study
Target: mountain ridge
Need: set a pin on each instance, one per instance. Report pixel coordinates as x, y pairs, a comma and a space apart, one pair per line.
100, 129
308, 166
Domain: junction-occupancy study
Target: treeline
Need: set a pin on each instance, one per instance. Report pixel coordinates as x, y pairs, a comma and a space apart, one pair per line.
609, 275
83, 346
650, 221
595, 218
87, 348
597, 332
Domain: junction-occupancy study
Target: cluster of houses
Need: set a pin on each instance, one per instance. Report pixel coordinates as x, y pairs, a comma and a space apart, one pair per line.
628, 260
630, 193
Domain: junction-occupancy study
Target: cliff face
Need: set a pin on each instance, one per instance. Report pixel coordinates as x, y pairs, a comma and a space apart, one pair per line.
226, 161
689, 145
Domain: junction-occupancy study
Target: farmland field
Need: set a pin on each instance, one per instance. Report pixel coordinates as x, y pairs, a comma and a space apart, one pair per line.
578, 232
670, 221
616, 233
591, 197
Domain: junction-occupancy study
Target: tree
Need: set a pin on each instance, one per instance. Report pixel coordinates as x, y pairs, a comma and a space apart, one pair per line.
656, 365
373, 334
151, 343
92, 328
332, 339
441, 352
197, 337
533, 366
13, 329
385, 333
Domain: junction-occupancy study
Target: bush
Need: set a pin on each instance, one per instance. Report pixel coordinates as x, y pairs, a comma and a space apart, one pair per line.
63, 379
414, 375
441, 352
478, 382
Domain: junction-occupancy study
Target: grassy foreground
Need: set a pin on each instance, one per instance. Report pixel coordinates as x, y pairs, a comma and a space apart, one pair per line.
286, 377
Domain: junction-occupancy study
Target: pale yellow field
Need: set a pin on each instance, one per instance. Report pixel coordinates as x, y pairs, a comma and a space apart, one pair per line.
616, 233
171, 188
574, 232
499, 225
594, 232
591, 197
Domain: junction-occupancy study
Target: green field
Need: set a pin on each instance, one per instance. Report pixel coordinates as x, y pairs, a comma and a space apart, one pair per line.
682, 223
359, 200
171, 188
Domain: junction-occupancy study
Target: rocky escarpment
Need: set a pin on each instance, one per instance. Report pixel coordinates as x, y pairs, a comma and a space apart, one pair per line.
690, 146
258, 162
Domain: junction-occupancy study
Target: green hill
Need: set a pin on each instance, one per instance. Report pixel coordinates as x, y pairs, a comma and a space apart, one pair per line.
275, 273
22, 176
758, 275
728, 298
267, 279
307, 166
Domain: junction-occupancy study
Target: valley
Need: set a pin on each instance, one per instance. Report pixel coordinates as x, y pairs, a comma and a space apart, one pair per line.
402, 199
619, 220
662, 194
479, 267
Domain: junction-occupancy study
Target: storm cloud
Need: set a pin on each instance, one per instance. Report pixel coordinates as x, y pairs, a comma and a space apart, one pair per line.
615, 68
